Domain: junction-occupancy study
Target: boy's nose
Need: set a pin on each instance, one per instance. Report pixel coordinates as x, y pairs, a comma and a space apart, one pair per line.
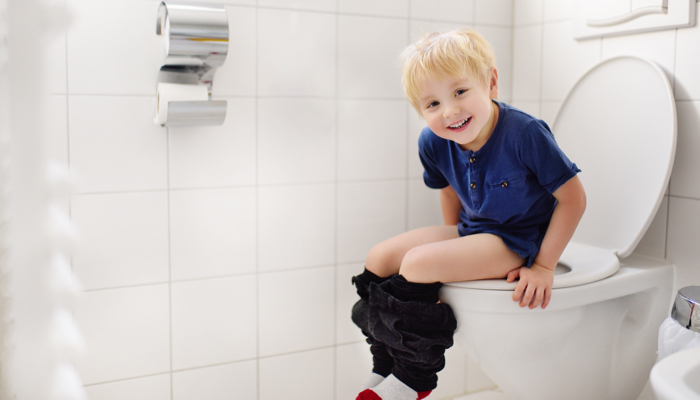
450, 111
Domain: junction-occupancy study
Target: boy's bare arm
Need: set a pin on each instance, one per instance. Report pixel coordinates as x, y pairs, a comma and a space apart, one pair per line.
571, 203
451, 206
535, 286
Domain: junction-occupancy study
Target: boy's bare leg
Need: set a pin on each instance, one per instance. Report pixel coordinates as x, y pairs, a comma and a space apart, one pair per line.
385, 258
439, 254
468, 258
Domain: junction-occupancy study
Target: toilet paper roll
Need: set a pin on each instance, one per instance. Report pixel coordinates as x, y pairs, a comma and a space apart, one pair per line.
177, 92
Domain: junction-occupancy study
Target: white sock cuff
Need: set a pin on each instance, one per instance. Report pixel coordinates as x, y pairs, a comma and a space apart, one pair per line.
393, 388
373, 380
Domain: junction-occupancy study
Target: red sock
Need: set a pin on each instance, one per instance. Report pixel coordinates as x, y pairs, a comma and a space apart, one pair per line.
368, 394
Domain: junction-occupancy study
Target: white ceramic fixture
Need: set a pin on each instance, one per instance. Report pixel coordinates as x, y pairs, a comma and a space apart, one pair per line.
677, 377
597, 338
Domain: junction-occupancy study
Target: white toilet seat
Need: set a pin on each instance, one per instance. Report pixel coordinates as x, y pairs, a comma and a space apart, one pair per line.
586, 263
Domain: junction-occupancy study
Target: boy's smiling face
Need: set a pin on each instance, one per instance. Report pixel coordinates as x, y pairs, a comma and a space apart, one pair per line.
460, 109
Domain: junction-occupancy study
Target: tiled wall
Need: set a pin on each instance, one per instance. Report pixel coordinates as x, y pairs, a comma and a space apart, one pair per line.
547, 62
216, 261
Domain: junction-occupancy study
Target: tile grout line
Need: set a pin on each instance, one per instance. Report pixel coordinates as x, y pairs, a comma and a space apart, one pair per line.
335, 205
257, 201
542, 24
170, 266
668, 188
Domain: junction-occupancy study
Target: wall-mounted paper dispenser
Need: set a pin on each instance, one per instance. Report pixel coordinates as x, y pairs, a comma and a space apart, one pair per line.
196, 43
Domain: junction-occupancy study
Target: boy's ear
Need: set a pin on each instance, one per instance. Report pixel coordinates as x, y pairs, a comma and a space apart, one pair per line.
493, 84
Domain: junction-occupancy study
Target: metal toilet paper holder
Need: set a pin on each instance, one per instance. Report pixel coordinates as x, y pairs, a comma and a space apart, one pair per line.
196, 44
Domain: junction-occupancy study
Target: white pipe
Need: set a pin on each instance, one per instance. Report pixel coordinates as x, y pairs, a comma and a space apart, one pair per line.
621, 19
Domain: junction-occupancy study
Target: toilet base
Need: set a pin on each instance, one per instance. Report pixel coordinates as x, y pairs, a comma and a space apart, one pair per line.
604, 332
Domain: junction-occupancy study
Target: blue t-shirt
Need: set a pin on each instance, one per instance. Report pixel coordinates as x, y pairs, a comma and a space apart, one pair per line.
506, 186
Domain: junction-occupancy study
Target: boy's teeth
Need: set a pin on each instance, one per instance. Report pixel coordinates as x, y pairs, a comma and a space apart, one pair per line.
459, 125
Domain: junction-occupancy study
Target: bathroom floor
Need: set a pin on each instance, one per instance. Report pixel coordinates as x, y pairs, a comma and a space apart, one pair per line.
493, 394
497, 394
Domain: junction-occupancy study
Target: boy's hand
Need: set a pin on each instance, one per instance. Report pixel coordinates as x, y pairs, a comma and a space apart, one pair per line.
535, 286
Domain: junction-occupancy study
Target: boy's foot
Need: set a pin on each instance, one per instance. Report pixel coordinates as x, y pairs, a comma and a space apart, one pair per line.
373, 380
391, 389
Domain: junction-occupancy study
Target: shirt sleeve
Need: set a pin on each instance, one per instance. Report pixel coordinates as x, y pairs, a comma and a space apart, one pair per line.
432, 176
541, 155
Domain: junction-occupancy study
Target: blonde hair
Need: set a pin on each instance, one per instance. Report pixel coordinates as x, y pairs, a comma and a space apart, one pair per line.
441, 55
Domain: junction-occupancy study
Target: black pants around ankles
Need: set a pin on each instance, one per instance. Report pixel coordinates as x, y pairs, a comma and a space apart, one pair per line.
382, 361
415, 333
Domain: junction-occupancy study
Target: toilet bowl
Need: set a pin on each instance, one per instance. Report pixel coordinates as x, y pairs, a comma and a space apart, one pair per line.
597, 338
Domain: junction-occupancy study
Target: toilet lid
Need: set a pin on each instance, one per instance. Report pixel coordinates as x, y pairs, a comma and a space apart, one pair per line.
618, 124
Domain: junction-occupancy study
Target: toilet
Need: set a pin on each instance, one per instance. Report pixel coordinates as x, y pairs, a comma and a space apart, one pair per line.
597, 339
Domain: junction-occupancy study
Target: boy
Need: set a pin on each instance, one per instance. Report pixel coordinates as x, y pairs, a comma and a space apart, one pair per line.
510, 201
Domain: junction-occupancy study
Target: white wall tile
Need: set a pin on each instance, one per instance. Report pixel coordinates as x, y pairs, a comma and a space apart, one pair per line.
215, 156
213, 232
531, 107
371, 139
423, 205
127, 333
368, 56
238, 2
444, 10
420, 27
54, 66
237, 77
368, 213
653, 244
114, 144
125, 239
314, 5
559, 73
296, 141
113, 47
501, 39
156, 387
297, 226
557, 10
494, 12
657, 46
221, 382
415, 126
353, 365
307, 375
387, 8
56, 127
296, 310
527, 61
296, 53
213, 321
548, 112
682, 245
346, 296
527, 12
685, 178
687, 61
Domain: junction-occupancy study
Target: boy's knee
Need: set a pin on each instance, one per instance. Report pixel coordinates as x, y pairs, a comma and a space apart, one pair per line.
414, 263
379, 260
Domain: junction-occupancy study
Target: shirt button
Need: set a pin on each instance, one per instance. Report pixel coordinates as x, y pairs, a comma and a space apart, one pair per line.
473, 186
504, 184
472, 159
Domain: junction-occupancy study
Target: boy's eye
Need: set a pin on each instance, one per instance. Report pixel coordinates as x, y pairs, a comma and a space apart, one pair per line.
460, 91
433, 104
